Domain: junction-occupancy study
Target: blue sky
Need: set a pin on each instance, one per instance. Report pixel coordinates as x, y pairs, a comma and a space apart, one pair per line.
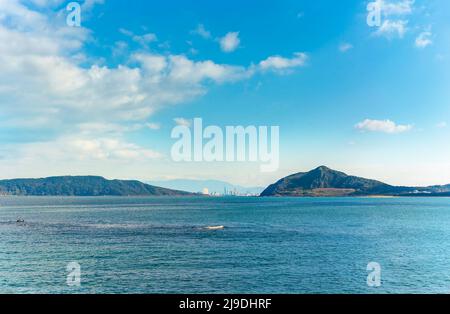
103, 98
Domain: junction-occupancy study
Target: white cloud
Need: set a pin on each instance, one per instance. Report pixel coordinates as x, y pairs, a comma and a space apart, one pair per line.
344, 47
93, 128
83, 148
44, 86
93, 141
424, 40
36, 73
36, 70
120, 48
230, 42
47, 3
201, 31
153, 126
394, 22
89, 4
109, 148
384, 126
19, 16
183, 69
402, 7
441, 125
278, 63
391, 29
183, 122
143, 39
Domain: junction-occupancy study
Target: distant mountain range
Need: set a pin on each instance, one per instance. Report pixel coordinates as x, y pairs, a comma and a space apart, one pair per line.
82, 186
324, 181
213, 186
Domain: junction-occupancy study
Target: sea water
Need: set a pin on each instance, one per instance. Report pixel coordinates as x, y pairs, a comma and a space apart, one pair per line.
268, 245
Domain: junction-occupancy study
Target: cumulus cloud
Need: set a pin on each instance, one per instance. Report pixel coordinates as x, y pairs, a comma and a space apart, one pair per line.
383, 126
48, 82
39, 79
230, 42
278, 63
184, 70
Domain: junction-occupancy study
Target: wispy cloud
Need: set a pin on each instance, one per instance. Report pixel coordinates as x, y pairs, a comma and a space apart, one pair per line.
441, 125
402, 7
119, 48
201, 31
183, 122
108, 148
424, 39
143, 39
153, 126
383, 126
344, 47
391, 29
83, 148
394, 16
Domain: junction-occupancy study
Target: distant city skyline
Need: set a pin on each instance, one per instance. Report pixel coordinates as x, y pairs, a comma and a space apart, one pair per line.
103, 98
215, 187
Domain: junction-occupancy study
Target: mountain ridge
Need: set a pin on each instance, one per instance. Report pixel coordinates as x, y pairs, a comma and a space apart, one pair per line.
323, 181
82, 186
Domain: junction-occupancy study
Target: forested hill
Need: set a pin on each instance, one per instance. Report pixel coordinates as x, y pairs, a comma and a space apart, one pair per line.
324, 181
82, 186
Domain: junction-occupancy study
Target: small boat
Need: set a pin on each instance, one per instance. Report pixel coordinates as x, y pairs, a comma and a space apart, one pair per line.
215, 228
20, 221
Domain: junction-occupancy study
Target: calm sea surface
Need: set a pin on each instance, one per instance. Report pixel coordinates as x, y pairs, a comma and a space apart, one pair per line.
270, 245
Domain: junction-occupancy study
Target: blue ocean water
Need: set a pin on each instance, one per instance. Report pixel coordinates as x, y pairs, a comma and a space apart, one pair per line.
269, 245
